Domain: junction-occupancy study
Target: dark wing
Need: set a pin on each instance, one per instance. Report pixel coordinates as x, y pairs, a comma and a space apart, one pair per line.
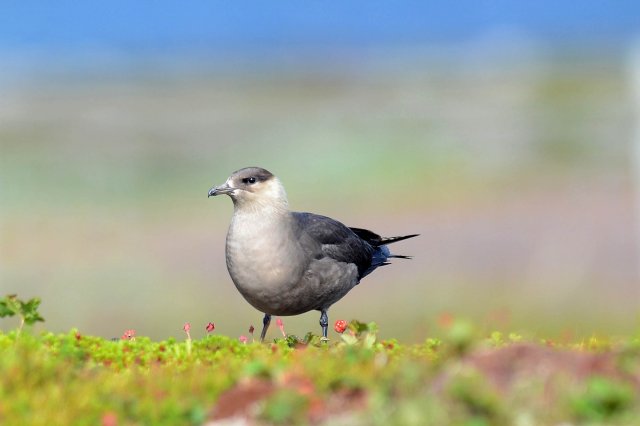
325, 237
369, 236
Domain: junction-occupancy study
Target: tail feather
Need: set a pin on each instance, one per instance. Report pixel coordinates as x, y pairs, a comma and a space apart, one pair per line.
389, 240
381, 257
376, 240
400, 256
381, 253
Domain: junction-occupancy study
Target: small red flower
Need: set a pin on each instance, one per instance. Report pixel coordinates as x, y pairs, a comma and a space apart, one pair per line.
109, 419
281, 326
243, 339
210, 327
251, 330
128, 335
340, 326
186, 329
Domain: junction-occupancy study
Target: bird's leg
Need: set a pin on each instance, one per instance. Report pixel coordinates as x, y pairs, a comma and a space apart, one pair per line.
324, 323
265, 326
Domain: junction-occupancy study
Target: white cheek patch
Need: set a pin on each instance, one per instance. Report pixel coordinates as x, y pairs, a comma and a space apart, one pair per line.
229, 183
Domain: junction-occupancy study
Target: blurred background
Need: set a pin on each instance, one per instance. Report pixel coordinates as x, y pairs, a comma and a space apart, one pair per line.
505, 133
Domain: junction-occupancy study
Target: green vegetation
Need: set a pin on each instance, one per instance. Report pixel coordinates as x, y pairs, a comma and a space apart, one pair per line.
27, 311
462, 378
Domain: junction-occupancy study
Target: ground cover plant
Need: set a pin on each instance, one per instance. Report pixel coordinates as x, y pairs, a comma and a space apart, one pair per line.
465, 377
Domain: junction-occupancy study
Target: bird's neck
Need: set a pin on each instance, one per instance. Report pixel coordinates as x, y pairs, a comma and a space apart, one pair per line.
266, 209
258, 227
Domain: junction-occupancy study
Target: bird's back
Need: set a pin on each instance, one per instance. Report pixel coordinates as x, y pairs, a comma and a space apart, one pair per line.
330, 239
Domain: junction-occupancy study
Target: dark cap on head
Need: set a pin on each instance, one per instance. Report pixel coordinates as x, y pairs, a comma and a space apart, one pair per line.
260, 174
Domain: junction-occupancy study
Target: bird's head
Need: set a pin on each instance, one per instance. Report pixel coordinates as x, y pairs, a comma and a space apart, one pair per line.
253, 187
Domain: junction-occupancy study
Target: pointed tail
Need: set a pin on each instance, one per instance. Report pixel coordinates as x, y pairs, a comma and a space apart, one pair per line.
381, 253
389, 240
376, 240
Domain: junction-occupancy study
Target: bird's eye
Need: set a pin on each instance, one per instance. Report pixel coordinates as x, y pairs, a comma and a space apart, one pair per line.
249, 180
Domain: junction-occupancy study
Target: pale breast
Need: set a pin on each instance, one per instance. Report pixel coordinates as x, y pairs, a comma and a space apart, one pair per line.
262, 259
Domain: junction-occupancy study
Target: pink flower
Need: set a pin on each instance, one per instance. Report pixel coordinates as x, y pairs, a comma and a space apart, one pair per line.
243, 339
109, 419
186, 329
210, 327
281, 326
128, 335
340, 326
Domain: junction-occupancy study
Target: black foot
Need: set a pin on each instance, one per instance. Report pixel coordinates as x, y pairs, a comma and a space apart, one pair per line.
324, 323
265, 326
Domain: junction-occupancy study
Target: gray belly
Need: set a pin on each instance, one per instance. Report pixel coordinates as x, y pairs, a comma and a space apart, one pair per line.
280, 281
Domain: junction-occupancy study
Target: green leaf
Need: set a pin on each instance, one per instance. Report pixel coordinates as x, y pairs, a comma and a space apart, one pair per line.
10, 306
32, 318
357, 327
369, 340
4, 310
291, 340
349, 339
31, 305
372, 328
29, 311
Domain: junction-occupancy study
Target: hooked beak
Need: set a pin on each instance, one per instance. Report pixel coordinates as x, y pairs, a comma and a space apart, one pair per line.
222, 189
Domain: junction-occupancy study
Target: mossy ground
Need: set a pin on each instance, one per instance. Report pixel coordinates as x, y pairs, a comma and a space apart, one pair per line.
460, 379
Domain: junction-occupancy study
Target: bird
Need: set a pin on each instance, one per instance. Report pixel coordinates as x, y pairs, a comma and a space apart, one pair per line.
287, 263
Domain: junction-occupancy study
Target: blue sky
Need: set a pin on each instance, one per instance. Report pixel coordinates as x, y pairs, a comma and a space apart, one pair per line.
198, 25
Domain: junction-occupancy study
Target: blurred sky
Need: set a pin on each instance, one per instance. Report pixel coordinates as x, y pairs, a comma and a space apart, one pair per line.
153, 26
500, 130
